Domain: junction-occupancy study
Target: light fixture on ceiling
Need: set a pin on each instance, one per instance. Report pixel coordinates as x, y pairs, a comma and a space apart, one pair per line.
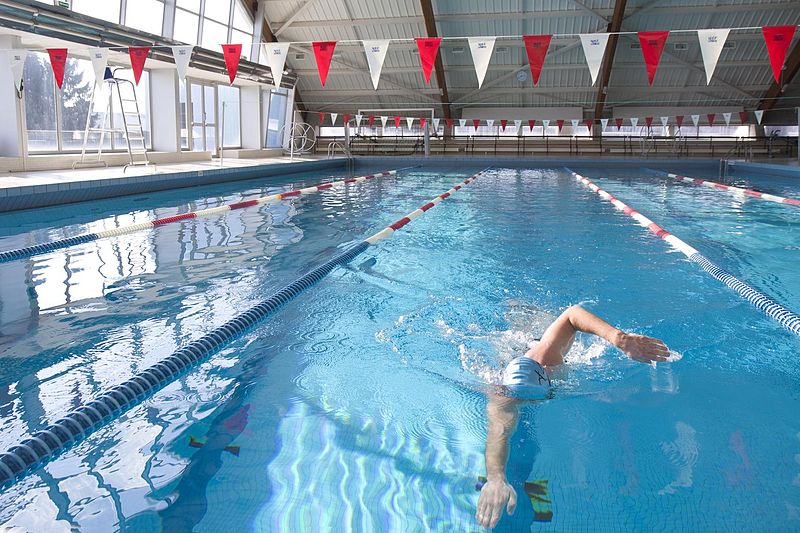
299, 56
458, 50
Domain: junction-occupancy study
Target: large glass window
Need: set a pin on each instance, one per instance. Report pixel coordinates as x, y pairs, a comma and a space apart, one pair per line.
186, 25
143, 104
219, 10
278, 100
145, 15
75, 101
214, 35
40, 103
106, 10
229, 116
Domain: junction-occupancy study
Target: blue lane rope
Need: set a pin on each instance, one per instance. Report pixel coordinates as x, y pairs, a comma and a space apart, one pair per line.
65, 432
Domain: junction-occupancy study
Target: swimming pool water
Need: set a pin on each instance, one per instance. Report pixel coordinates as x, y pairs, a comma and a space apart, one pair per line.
360, 406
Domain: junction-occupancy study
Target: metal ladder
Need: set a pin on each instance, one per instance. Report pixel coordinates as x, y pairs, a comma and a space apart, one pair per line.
133, 131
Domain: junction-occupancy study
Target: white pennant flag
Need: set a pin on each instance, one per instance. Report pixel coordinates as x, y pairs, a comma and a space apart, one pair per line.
358, 120
664, 121
481, 48
711, 44
376, 53
575, 123
546, 124
603, 124
490, 122
383, 121
99, 57
181, 55
518, 124
462, 122
695, 120
410, 121
275, 54
635, 122
436, 124
594, 48
727, 117
17, 59
333, 117
759, 114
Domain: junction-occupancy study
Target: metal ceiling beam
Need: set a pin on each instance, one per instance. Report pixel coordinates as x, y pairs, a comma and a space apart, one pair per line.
775, 91
430, 27
299, 11
608, 59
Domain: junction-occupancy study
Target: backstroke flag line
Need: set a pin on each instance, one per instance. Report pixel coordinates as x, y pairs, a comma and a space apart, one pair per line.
536, 48
17, 59
323, 53
275, 54
481, 48
376, 54
594, 48
99, 57
428, 48
711, 44
182, 55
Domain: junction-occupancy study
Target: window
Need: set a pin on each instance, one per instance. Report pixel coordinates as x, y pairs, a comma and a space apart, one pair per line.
184, 126
106, 10
186, 25
214, 35
219, 10
231, 133
241, 19
145, 15
781, 131
191, 5
143, 103
40, 103
245, 39
74, 103
278, 100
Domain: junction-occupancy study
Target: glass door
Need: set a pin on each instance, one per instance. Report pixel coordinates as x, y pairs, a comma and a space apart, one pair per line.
202, 102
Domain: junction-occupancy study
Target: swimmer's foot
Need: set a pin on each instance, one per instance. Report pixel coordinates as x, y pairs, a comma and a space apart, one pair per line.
540, 500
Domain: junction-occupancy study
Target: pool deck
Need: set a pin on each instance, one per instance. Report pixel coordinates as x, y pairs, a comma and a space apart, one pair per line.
25, 190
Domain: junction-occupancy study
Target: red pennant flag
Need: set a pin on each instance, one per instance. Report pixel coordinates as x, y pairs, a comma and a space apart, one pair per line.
321, 117
371, 120
422, 122
531, 124
710, 117
589, 123
503, 124
449, 122
743, 117
476, 122
138, 57
560, 124
679, 120
346, 119
232, 53
323, 53
618, 122
396, 122
652, 45
536, 46
427, 55
648, 121
778, 39
58, 59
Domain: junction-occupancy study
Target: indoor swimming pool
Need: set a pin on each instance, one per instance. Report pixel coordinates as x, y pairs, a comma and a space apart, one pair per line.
361, 404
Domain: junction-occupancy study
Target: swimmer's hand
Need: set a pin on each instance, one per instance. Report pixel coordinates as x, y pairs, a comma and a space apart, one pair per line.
641, 348
495, 495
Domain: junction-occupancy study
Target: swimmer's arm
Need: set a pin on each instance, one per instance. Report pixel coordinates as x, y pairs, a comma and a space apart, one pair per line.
497, 494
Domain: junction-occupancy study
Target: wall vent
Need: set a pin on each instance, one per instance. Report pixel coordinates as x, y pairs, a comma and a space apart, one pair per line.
681, 46
299, 57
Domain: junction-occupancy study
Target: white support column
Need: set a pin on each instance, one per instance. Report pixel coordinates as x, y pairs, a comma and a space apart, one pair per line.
166, 110
12, 134
250, 98
258, 28
168, 27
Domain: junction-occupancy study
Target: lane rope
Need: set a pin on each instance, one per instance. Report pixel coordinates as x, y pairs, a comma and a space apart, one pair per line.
29, 251
44, 445
730, 188
761, 301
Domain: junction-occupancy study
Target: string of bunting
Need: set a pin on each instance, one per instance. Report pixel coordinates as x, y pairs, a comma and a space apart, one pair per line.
712, 42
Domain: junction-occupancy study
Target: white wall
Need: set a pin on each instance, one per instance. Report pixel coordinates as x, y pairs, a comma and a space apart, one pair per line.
251, 123
166, 108
11, 117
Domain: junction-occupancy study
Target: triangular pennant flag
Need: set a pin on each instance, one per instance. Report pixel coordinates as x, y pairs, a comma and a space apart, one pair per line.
759, 113
323, 53
376, 54
648, 121
635, 122
232, 53
710, 118
503, 124
346, 118
594, 47
531, 124
490, 122
384, 119
371, 120
743, 117
475, 123
604, 124
428, 48
334, 117
481, 48
397, 122
138, 55
275, 54
589, 123
422, 121
652, 43
358, 120
449, 122
778, 39
181, 55
679, 120
575, 123
546, 123
17, 60
410, 122
695, 120
711, 44
321, 117
536, 47
518, 124
727, 117
99, 58
618, 122
560, 124
664, 121
435, 124
58, 59
462, 122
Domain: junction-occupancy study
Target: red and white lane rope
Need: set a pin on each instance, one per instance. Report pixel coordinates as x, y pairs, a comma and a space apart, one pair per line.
770, 307
747, 192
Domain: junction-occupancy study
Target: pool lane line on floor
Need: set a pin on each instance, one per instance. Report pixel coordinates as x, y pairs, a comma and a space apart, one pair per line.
730, 188
44, 445
30, 251
767, 305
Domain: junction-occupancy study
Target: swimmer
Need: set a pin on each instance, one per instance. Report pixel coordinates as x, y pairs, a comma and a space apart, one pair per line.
527, 378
